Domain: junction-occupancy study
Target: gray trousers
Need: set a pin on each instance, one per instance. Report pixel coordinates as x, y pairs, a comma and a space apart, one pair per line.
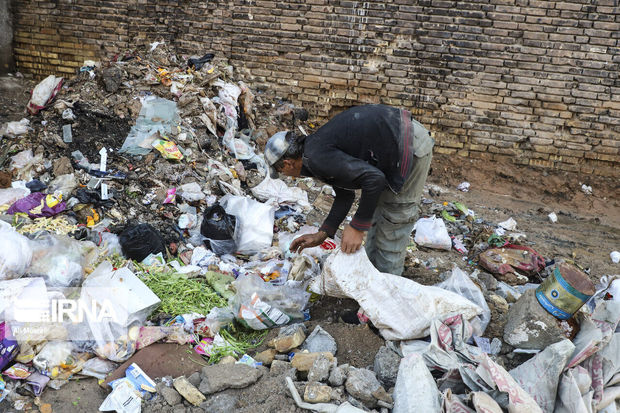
394, 218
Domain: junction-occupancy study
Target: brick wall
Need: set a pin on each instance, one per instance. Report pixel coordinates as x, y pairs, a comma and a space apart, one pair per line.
533, 81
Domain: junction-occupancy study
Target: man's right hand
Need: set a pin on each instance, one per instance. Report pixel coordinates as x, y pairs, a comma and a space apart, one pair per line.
307, 241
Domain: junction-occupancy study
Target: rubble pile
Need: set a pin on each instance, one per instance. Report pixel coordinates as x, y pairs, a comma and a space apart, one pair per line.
137, 215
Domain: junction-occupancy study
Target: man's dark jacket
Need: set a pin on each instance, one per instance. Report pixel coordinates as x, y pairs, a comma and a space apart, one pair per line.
371, 147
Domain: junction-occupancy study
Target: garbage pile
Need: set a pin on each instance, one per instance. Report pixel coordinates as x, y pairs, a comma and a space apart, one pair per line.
136, 210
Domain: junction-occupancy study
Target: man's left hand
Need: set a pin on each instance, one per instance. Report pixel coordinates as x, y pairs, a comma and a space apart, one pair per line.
351, 239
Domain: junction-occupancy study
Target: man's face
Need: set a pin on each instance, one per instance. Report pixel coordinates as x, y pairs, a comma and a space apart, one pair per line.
291, 167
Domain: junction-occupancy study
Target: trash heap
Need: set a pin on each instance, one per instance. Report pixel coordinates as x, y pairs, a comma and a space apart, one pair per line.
136, 191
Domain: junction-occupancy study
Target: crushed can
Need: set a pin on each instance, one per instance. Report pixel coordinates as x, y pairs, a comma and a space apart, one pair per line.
565, 291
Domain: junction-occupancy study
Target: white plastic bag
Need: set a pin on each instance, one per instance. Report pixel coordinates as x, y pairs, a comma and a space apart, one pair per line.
15, 128
192, 192
10, 195
43, 93
277, 190
65, 184
254, 227
286, 238
432, 233
15, 253
415, 389
460, 283
400, 308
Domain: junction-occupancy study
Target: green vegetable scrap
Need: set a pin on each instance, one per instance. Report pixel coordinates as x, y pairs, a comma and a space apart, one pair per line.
221, 283
239, 340
179, 294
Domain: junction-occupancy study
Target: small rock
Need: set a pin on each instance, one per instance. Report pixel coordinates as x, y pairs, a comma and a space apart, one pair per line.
320, 340
228, 360
170, 395
266, 357
45, 408
386, 366
229, 376
179, 409
317, 393
320, 369
279, 367
220, 403
288, 338
189, 392
337, 395
338, 375
489, 282
304, 361
194, 379
112, 78
363, 385
530, 326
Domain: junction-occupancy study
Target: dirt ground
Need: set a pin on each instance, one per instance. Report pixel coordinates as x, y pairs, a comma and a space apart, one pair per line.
588, 229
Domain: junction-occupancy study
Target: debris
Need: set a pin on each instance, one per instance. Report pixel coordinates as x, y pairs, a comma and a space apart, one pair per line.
338, 375
530, 326
586, 189
319, 372
386, 366
509, 225
364, 386
266, 357
463, 186
320, 340
553, 217
317, 393
303, 361
288, 338
615, 257
188, 391
44, 93
141, 240
345, 407
512, 259
171, 396
15, 128
220, 377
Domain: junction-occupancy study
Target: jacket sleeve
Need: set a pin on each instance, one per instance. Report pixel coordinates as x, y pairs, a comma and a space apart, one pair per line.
340, 208
354, 173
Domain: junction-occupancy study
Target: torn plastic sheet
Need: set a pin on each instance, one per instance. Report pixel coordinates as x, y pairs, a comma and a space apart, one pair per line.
157, 116
278, 191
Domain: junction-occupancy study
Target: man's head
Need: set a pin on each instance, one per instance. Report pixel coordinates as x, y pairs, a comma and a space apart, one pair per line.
283, 153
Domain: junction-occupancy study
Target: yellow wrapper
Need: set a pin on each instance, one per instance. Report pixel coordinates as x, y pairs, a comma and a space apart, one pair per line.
168, 149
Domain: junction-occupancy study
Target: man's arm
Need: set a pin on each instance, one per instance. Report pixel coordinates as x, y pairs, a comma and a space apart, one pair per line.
340, 208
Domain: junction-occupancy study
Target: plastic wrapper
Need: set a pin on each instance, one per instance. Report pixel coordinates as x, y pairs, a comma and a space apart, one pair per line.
65, 184
192, 192
15, 128
59, 260
277, 190
97, 367
38, 205
168, 149
432, 233
260, 305
8, 345
43, 93
52, 355
10, 195
461, 284
400, 308
157, 116
141, 240
254, 226
15, 253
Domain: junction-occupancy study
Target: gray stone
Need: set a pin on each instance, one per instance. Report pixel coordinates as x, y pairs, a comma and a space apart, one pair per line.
228, 376
362, 384
488, 281
320, 340
179, 409
338, 375
320, 369
386, 366
171, 396
194, 379
220, 403
288, 338
112, 78
530, 326
279, 367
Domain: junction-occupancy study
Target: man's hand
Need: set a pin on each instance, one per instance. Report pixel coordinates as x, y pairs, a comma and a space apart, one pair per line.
351, 239
307, 241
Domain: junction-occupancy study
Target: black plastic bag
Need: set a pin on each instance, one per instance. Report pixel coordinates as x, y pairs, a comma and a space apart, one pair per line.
198, 63
219, 228
141, 240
